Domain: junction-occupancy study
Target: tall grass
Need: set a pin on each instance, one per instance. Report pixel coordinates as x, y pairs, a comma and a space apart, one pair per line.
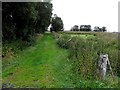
83, 52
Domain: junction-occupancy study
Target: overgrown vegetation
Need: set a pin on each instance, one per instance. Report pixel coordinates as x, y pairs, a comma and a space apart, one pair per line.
83, 53
70, 61
45, 65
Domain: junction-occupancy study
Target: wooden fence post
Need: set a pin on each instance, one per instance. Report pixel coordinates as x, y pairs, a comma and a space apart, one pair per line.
103, 61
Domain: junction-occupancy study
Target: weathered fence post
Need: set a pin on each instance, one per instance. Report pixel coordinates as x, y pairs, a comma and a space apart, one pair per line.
102, 65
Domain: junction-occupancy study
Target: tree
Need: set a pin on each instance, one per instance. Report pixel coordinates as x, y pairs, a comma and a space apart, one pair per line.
44, 16
8, 26
98, 29
18, 20
24, 15
56, 24
75, 28
104, 29
21, 20
85, 28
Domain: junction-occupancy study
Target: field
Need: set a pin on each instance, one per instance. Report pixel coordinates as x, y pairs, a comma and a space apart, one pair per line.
53, 63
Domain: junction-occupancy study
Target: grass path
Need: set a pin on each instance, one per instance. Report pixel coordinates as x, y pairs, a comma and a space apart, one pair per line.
44, 65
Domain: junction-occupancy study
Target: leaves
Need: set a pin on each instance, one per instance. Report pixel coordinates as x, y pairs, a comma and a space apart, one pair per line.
57, 24
21, 20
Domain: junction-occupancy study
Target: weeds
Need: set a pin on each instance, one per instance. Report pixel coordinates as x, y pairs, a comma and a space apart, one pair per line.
83, 53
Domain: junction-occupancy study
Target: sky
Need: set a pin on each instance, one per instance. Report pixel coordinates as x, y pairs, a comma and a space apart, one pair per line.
87, 12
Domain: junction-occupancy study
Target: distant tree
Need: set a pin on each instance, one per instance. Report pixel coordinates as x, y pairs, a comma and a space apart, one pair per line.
56, 24
104, 29
89, 27
98, 29
85, 28
75, 28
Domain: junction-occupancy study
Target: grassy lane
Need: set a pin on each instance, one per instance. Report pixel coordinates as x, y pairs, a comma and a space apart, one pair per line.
44, 65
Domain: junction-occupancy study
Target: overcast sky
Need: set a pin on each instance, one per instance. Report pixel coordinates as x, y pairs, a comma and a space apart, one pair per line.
87, 12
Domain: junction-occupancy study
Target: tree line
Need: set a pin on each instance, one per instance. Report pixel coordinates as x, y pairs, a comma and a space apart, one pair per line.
21, 20
88, 28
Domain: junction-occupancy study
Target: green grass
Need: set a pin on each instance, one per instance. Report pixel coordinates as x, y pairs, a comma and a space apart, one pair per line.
83, 53
46, 65
43, 65
82, 36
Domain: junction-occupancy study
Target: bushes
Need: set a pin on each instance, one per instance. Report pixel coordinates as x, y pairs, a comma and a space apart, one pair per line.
83, 53
10, 49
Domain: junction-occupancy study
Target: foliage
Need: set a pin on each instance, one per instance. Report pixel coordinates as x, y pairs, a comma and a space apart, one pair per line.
44, 16
56, 24
85, 28
45, 65
74, 28
83, 53
10, 49
21, 20
98, 29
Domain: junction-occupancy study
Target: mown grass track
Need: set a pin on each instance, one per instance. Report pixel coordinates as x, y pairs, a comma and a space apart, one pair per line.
43, 65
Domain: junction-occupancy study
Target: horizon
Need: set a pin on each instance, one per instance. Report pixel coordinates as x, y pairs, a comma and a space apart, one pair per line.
95, 13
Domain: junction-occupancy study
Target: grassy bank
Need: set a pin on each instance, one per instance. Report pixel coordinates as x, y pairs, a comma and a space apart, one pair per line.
83, 53
46, 65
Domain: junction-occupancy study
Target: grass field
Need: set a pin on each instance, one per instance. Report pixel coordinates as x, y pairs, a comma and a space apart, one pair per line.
46, 65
